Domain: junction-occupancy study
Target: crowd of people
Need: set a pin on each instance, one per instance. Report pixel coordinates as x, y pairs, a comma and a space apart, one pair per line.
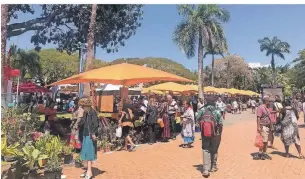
160, 114
277, 117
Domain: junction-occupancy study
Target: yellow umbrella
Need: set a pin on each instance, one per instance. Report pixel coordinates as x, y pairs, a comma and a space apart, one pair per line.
220, 90
192, 87
145, 91
232, 91
169, 86
122, 74
210, 89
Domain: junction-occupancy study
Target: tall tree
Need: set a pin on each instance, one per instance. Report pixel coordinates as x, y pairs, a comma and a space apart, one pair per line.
90, 47
4, 20
28, 62
67, 24
274, 47
199, 25
299, 68
218, 46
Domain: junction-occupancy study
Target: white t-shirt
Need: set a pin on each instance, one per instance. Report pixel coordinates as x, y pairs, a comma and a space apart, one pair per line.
173, 107
235, 104
304, 108
253, 103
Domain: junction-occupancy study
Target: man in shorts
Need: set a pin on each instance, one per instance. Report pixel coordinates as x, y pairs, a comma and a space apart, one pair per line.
264, 127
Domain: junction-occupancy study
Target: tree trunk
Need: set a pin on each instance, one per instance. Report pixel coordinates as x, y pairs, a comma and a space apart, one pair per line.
213, 74
273, 70
200, 68
4, 21
228, 74
90, 46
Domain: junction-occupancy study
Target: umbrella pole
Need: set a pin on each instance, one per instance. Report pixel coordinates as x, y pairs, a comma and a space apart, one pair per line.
17, 91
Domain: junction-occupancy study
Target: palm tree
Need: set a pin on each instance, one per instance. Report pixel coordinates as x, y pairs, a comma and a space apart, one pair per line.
217, 47
274, 47
90, 47
199, 26
4, 21
28, 62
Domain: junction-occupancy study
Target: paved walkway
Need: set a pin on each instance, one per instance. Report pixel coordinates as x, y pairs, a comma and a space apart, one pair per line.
169, 161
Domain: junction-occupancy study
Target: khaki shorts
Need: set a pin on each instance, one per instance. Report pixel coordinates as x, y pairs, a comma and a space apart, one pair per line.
266, 133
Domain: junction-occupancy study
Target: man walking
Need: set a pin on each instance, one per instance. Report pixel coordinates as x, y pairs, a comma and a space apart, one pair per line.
210, 119
264, 127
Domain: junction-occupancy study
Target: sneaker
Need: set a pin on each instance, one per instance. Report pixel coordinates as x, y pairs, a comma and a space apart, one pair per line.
214, 169
205, 174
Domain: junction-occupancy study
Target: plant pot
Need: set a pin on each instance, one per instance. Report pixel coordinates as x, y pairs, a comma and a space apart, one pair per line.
32, 174
106, 149
68, 159
9, 158
78, 165
52, 175
49, 175
44, 161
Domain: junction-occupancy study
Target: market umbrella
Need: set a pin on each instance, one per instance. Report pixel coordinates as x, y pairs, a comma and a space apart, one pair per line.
232, 91
169, 86
221, 90
192, 87
210, 89
145, 91
29, 87
122, 74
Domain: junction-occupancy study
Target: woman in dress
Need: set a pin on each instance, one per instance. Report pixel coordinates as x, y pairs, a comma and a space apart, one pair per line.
290, 131
88, 127
164, 115
188, 125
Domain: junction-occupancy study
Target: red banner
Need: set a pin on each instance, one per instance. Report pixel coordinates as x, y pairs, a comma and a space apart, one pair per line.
10, 72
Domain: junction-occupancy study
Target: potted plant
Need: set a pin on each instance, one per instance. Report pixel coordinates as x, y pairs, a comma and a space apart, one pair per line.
99, 145
53, 168
54, 147
32, 157
11, 152
106, 146
78, 162
67, 151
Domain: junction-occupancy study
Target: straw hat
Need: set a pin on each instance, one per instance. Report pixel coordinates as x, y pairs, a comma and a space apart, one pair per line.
85, 102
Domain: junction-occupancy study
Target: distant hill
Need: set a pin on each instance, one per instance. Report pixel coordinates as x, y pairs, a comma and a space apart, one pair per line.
163, 64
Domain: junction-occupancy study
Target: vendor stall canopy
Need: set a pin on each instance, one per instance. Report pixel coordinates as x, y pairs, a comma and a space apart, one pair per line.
122, 74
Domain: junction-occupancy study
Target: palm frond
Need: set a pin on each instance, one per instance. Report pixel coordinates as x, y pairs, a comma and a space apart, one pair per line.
186, 39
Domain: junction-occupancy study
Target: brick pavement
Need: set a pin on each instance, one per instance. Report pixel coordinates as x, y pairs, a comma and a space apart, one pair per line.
169, 161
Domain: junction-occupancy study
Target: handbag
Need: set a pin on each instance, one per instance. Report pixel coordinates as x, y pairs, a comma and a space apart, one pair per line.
118, 132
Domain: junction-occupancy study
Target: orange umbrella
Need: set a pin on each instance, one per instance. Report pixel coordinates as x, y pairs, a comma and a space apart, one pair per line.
169, 86
122, 74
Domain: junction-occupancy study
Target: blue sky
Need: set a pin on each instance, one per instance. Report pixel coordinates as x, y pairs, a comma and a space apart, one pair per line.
248, 23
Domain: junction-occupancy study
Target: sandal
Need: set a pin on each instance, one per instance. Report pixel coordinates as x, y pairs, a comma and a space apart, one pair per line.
301, 157
83, 175
132, 148
86, 177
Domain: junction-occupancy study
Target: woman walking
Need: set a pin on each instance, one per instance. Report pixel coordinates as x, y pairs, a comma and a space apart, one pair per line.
126, 121
188, 125
290, 131
88, 126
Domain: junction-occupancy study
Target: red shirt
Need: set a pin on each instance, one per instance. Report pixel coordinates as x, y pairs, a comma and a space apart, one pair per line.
51, 113
264, 115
